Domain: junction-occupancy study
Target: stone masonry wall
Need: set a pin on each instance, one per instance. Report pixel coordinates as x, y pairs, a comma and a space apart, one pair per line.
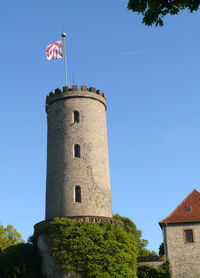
184, 257
91, 170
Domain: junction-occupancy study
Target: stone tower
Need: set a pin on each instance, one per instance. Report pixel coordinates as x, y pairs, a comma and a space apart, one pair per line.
78, 181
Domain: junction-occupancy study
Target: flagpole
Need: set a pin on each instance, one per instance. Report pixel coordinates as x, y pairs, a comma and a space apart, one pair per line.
64, 36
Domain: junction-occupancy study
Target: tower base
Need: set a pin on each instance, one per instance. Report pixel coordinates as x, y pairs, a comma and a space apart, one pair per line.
48, 263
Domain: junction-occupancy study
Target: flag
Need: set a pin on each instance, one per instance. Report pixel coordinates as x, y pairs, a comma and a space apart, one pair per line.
54, 50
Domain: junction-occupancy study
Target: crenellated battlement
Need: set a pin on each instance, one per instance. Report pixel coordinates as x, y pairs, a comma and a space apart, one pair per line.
70, 92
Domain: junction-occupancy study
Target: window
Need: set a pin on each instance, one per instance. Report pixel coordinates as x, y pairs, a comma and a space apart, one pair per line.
188, 209
78, 194
76, 116
77, 151
188, 236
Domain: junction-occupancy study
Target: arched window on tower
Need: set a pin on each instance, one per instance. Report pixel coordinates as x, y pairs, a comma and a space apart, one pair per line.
77, 194
77, 150
76, 116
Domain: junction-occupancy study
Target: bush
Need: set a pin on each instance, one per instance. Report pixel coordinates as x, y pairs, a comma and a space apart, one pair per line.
148, 271
99, 250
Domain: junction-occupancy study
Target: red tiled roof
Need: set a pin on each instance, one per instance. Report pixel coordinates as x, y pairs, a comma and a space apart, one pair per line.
180, 214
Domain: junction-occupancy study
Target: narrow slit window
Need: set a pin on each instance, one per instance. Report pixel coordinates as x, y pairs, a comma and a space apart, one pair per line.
189, 236
78, 194
76, 116
77, 150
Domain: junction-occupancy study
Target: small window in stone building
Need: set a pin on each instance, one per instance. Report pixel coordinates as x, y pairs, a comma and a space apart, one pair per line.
188, 209
77, 150
188, 236
76, 116
78, 194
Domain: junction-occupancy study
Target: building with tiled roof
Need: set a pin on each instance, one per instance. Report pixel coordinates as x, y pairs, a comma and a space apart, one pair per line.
187, 211
181, 233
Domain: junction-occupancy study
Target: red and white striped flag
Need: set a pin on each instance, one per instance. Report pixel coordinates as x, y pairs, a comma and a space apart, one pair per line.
54, 51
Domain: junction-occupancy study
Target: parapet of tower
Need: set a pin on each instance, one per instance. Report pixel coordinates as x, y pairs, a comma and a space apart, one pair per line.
78, 180
69, 92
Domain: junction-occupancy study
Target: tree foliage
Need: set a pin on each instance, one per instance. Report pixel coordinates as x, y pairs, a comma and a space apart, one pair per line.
148, 271
161, 251
20, 261
153, 11
17, 259
131, 228
99, 250
9, 236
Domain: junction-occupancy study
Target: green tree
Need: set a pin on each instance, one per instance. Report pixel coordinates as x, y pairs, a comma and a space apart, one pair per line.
131, 228
99, 250
9, 236
20, 261
153, 11
161, 250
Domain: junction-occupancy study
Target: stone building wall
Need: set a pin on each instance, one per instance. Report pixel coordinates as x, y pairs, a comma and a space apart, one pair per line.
184, 257
91, 170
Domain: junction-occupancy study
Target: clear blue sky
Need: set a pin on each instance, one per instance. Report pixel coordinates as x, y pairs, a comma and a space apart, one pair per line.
151, 80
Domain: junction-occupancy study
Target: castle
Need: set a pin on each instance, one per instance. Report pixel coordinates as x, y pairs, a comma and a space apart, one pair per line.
78, 180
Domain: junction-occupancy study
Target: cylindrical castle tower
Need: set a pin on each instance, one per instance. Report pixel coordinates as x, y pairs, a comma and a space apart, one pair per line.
78, 180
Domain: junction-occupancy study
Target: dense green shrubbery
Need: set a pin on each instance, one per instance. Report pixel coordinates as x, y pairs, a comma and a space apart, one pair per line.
148, 271
99, 250
131, 228
17, 259
20, 261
